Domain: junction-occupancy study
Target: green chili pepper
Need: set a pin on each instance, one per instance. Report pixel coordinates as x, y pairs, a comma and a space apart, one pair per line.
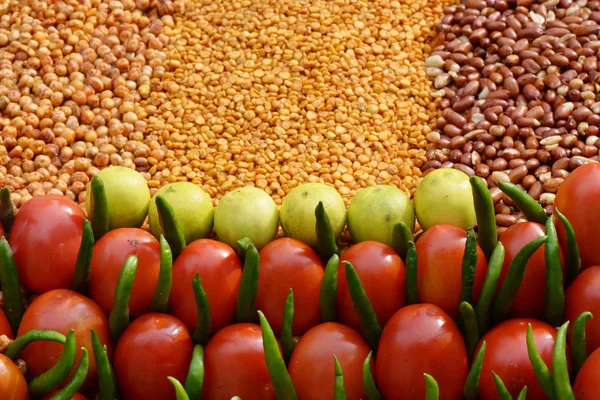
412, 292
99, 211
282, 382
502, 390
469, 262
573, 257
401, 235
471, 330
16, 347
532, 209
554, 309
170, 226
118, 319
369, 324
242, 246
371, 391
195, 376
84, 259
7, 210
160, 302
578, 341
523, 393
488, 292
432, 390
339, 390
14, 306
539, 366
52, 378
486, 215
202, 332
471, 389
287, 343
326, 242
71, 388
106, 376
560, 371
246, 302
327, 299
514, 278
180, 393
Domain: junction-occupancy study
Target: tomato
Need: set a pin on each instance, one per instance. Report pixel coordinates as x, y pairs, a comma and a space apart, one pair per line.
586, 383
531, 296
110, 253
45, 240
577, 199
584, 295
1, 230
234, 365
78, 396
154, 347
5, 328
12, 382
440, 252
382, 274
62, 310
289, 263
420, 339
506, 355
312, 367
220, 272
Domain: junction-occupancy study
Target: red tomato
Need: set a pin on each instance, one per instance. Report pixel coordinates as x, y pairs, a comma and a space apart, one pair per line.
154, 347
506, 355
312, 367
45, 240
1, 230
586, 383
420, 339
234, 365
110, 253
531, 296
62, 310
289, 263
584, 295
12, 382
382, 274
5, 328
220, 272
440, 252
78, 396
577, 199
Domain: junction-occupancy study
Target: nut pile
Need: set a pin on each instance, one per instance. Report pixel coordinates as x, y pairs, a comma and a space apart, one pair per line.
520, 92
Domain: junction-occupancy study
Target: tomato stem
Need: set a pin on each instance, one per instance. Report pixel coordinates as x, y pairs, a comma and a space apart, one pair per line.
532, 210
469, 263
573, 256
71, 388
540, 368
328, 295
401, 236
339, 390
14, 306
412, 292
470, 328
202, 332
160, 302
84, 259
7, 210
488, 291
432, 390
119, 315
486, 215
180, 393
371, 391
560, 370
471, 389
195, 376
99, 211
52, 378
16, 347
287, 343
326, 241
248, 289
554, 309
578, 341
170, 225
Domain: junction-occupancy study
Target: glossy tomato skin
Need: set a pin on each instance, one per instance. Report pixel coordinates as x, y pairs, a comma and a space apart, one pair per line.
154, 347
45, 240
530, 298
312, 366
220, 272
506, 355
440, 252
586, 385
5, 328
289, 263
419, 339
382, 274
584, 295
234, 362
577, 199
110, 253
12, 382
62, 310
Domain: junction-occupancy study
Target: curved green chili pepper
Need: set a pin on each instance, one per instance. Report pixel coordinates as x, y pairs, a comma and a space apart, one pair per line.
573, 255
118, 319
99, 211
371, 391
532, 210
71, 388
160, 302
560, 371
16, 347
84, 259
326, 241
202, 332
523, 393
180, 393
287, 343
369, 324
469, 262
339, 390
170, 226
107, 387
327, 299
412, 292
246, 302
52, 378
554, 309
502, 390
14, 307
488, 291
7, 210
195, 376
242, 247
471, 389
539, 366
282, 382
401, 235
513, 279
471, 330
486, 215
432, 390
578, 342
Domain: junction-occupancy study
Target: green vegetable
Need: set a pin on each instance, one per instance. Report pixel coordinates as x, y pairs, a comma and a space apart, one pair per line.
539, 366
14, 307
401, 236
486, 215
71, 388
371, 391
287, 343
432, 390
16, 347
554, 310
84, 259
471, 330
327, 299
7, 210
578, 342
52, 378
469, 263
107, 383
99, 212
412, 293
170, 226
531, 208
118, 319
160, 302
326, 243
502, 391
573, 257
560, 371
195, 376
180, 393
246, 302
339, 390
488, 292
202, 332
471, 389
